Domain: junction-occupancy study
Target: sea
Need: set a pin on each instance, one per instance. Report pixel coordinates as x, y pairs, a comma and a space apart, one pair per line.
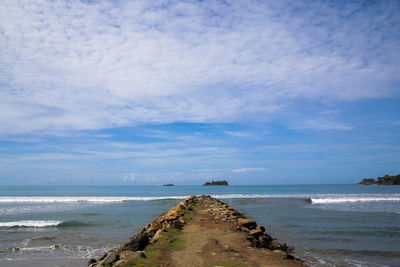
328, 225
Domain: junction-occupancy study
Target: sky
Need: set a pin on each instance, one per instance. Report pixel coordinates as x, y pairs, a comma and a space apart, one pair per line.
153, 92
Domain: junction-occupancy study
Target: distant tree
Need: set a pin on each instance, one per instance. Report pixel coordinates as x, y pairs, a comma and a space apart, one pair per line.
222, 182
385, 180
368, 181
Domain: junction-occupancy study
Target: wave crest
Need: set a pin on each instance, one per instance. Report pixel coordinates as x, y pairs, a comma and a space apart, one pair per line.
312, 198
351, 200
81, 199
30, 224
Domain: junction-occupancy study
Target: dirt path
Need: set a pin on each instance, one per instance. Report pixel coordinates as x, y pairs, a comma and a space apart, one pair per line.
200, 231
211, 242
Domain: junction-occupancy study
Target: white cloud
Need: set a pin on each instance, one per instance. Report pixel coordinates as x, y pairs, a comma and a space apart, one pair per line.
323, 124
239, 134
249, 170
130, 177
76, 66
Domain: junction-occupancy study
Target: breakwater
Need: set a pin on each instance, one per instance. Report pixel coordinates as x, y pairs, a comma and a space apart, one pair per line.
178, 216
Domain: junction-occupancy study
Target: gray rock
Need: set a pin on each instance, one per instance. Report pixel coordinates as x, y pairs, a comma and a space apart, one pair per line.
111, 257
138, 242
102, 257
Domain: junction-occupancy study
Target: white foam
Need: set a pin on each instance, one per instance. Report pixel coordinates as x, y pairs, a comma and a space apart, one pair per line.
57, 199
30, 224
224, 196
351, 199
315, 198
40, 248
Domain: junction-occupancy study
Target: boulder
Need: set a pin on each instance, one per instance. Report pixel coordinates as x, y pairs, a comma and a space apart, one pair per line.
233, 213
154, 226
263, 241
177, 225
255, 242
138, 242
166, 227
275, 245
251, 224
173, 215
157, 235
102, 257
91, 261
256, 232
127, 254
259, 227
110, 258
245, 229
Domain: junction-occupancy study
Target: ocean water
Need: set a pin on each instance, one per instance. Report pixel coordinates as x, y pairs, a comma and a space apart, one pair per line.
329, 225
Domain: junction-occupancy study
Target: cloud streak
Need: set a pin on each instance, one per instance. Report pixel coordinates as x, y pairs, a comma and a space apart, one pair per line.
249, 170
81, 66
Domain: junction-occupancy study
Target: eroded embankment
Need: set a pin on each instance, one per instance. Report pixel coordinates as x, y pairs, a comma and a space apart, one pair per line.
200, 231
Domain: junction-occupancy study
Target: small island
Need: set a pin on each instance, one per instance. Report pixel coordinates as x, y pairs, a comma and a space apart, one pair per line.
222, 182
385, 180
168, 185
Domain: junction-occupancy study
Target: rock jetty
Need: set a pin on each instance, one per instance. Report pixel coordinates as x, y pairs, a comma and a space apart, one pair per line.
178, 216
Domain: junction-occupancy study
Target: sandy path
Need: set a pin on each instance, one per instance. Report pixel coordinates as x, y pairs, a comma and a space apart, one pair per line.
211, 243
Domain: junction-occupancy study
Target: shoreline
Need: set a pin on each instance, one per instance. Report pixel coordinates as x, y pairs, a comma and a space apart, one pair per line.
200, 217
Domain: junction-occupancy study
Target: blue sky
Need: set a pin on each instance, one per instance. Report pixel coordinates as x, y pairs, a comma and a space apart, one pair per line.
152, 92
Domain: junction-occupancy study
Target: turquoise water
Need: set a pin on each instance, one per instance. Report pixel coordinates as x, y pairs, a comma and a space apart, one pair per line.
335, 225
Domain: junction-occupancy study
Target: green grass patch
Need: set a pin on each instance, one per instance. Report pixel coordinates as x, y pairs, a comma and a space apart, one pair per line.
230, 264
139, 262
188, 215
152, 259
173, 245
169, 240
154, 253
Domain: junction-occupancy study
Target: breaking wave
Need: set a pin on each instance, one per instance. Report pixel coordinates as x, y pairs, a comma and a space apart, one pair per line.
351, 199
30, 224
40, 224
81, 199
311, 198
